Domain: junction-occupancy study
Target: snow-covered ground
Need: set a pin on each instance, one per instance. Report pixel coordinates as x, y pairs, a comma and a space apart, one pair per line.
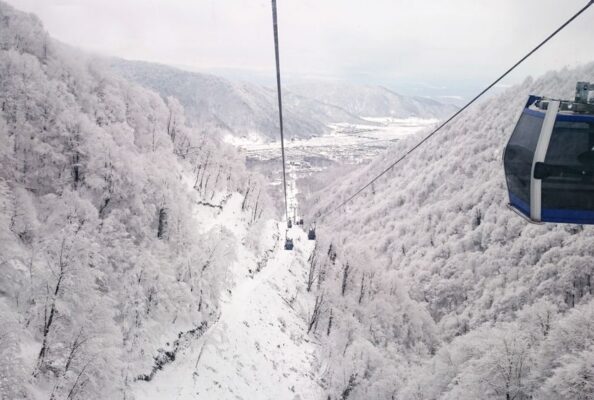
347, 144
259, 347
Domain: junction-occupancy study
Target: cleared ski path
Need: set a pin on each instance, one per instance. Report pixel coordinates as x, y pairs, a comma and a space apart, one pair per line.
259, 347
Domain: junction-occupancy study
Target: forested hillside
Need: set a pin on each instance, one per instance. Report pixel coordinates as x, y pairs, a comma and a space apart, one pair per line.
235, 108
373, 101
110, 259
248, 110
433, 289
126, 226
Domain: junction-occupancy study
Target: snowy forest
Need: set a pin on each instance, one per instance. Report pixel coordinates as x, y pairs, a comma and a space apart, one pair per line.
106, 258
433, 289
142, 259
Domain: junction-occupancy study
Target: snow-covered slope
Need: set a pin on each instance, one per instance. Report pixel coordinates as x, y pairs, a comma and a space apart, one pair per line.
373, 101
259, 348
113, 254
436, 290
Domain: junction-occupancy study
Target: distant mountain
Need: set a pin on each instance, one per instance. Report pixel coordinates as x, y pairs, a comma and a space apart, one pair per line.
373, 101
237, 108
245, 109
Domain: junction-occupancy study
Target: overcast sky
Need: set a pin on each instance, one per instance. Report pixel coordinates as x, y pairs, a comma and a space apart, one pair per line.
444, 47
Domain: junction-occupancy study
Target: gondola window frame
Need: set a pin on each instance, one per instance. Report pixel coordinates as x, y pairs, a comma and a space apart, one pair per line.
539, 157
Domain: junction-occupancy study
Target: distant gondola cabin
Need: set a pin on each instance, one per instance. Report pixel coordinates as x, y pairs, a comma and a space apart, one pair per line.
289, 244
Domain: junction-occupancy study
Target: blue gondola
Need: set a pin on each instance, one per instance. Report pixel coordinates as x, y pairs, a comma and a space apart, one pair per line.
549, 159
311, 234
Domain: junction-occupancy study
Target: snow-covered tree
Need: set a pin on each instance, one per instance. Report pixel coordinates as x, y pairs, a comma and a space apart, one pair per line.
104, 261
444, 283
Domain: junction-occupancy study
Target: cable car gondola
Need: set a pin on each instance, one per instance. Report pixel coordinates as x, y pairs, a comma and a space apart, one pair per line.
289, 244
311, 234
549, 159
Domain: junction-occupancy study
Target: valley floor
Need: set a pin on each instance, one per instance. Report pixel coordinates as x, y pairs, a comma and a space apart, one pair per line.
347, 144
259, 348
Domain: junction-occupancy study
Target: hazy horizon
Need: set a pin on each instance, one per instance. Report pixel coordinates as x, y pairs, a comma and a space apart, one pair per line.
444, 51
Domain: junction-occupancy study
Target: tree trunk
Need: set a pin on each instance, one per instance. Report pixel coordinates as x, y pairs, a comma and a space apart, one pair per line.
311, 276
49, 319
362, 291
162, 228
76, 176
315, 315
345, 277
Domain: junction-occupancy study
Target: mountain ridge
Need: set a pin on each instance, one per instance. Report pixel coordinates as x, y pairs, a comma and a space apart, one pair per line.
207, 99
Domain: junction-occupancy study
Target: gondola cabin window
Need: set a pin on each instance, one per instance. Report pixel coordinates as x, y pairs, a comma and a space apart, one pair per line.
519, 155
570, 184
